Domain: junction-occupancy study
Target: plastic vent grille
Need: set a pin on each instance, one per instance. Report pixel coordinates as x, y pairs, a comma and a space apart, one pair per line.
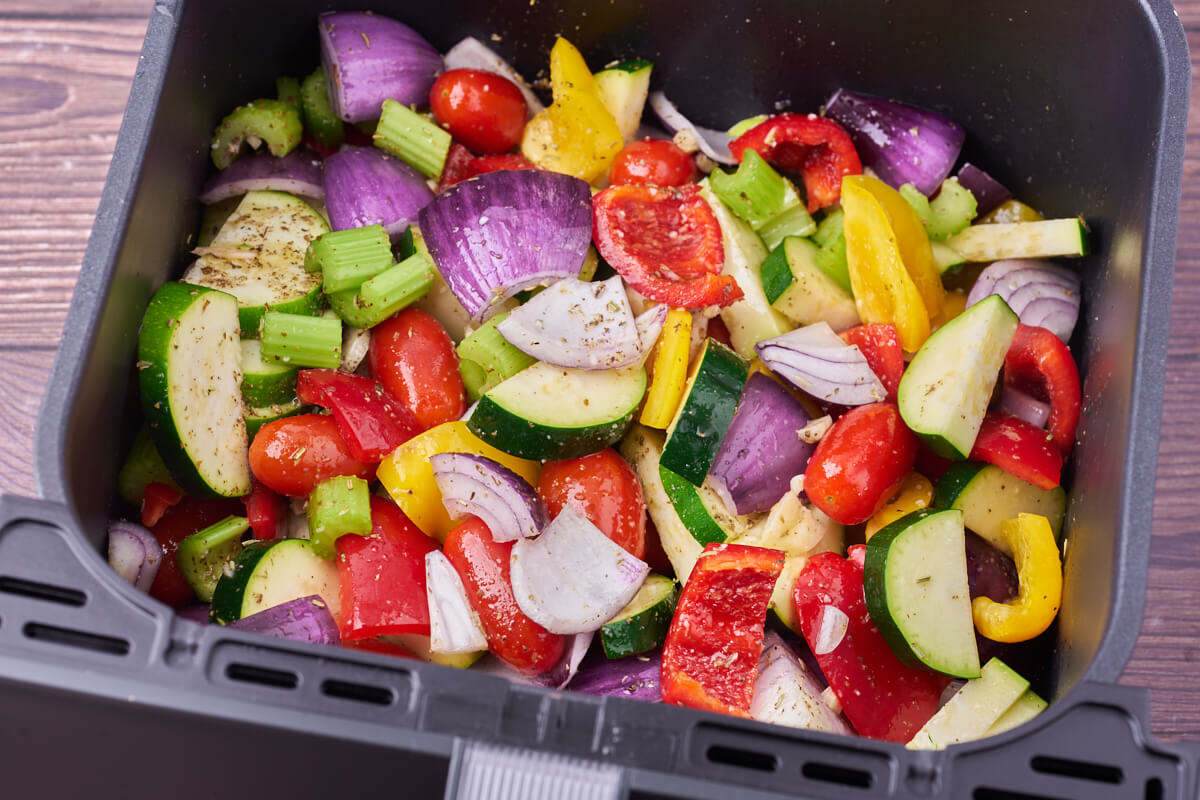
487, 772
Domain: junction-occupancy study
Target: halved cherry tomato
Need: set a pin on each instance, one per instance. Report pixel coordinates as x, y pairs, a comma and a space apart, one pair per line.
880, 345
860, 463
657, 162
1020, 449
483, 110
156, 499
294, 454
457, 166
413, 357
605, 489
460, 167
176, 524
815, 147
665, 242
265, 510
483, 565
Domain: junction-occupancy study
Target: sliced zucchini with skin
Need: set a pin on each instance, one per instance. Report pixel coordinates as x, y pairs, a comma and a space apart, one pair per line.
1028, 706
996, 241
257, 417
420, 647
701, 510
623, 89
258, 257
803, 292
546, 412
971, 712
915, 582
987, 495
642, 625
189, 362
711, 396
945, 391
265, 383
268, 573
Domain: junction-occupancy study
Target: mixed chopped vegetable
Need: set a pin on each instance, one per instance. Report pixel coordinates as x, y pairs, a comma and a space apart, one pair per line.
770, 422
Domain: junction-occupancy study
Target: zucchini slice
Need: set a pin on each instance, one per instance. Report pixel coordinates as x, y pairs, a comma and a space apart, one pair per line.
189, 362
709, 400
702, 511
546, 412
623, 89
1047, 238
971, 712
268, 573
258, 257
265, 383
802, 291
915, 581
642, 625
987, 495
1028, 706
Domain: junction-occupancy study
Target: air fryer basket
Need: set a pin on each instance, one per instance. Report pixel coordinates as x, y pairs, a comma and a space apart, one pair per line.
1079, 106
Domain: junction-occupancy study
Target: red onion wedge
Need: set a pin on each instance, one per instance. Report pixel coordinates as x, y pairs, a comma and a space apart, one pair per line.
471, 53
573, 578
714, 144
815, 360
365, 186
134, 553
649, 325
578, 324
305, 619
762, 449
901, 143
786, 694
1039, 292
196, 612
369, 58
474, 484
557, 677
453, 625
988, 191
298, 173
1015, 402
636, 677
502, 232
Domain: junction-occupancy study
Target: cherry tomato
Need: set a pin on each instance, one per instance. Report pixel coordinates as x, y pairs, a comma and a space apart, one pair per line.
860, 463
658, 162
605, 489
413, 357
462, 164
483, 110
483, 565
666, 244
294, 454
177, 523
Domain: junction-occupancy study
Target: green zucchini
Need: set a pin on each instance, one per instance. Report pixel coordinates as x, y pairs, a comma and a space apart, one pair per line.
258, 257
420, 647
205, 555
802, 291
946, 389
971, 712
946, 258
702, 511
642, 625
1047, 238
623, 89
265, 383
1028, 706
189, 363
711, 396
546, 412
268, 573
143, 465
915, 582
987, 495
257, 417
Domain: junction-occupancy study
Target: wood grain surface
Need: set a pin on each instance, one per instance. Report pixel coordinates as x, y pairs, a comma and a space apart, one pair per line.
65, 72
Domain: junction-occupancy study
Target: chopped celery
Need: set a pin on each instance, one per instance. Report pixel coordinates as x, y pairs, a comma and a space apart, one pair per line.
756, 192
287, 89
348, 258
204, 556
271, 121
302, 340
336, 507
397, 287
412, 138
485, 349
792, 221
950, 211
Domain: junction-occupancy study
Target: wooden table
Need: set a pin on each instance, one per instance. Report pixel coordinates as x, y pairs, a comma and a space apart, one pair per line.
65, 71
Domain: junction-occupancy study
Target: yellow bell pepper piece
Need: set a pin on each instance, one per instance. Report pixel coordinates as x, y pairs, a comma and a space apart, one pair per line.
884, 292
577, 135
1010, 211
1039, 573
913, 241
408, 476
953, 304
915, 493
670, 370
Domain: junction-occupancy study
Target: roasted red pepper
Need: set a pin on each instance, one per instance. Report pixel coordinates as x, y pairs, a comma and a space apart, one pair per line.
156, 499
266, 511
370, 421
882, 697
1020, 449
880, 345
382, 576
1039, 363
816, 148
665, 242
710, 658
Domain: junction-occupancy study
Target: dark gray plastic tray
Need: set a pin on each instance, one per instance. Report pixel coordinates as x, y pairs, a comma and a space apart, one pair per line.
1080, 106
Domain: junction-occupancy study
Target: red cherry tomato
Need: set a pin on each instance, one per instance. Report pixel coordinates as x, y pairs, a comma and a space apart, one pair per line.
483, 565
414, 358
176, 524
604, 488
653, 161
462, 164
294, 454
483, 110
860, 463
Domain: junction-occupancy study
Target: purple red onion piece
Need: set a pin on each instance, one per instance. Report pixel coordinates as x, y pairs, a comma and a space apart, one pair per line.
815, 360
476, 485
365, 186
453, 625
298, 173
134, 553
305, 619
988, 192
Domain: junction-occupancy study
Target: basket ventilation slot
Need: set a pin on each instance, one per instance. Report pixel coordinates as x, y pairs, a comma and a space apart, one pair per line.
263, 676
42, 591
73, 638
358, 692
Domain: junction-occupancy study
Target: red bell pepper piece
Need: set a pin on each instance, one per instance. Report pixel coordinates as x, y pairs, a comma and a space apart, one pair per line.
180, 521
381, 646
1020, 449
1039, 363
462, 164
710, 658
370, 421
881, 696
880, 345
665, 242
817, 148
381, 577
266, 511
156, 499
